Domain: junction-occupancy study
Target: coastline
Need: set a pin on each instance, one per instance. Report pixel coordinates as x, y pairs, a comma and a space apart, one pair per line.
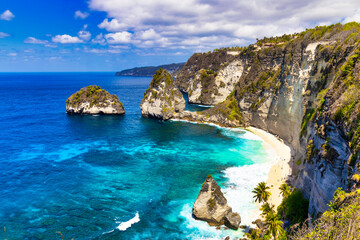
280, 167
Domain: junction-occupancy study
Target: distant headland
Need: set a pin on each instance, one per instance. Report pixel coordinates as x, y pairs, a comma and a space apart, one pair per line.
149, 71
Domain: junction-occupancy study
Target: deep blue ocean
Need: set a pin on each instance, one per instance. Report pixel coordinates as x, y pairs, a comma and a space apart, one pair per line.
111, 177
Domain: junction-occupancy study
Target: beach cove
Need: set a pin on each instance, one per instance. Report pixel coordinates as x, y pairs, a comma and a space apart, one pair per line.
105, 177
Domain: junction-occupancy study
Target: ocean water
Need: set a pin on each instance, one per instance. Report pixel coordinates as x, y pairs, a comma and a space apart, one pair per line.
112, 177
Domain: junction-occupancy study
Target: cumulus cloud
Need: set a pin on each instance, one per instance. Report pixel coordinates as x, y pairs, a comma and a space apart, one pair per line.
118, 37
82, 15
33, 40
355, 17
46, 43
99, 39
7, 15
102, 51
113, 25
4, 35
83, 34
65, 39
212, 23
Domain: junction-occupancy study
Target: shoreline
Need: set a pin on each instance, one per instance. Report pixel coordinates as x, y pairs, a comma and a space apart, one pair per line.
280, 167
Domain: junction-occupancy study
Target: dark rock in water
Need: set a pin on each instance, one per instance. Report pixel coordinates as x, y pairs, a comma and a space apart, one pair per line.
94, 100
162, 99
232, 220
211, 206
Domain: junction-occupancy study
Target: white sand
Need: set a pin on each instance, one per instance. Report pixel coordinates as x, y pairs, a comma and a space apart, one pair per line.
280, 169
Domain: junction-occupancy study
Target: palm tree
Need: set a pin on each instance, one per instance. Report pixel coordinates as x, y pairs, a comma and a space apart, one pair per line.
261, 193
267, 209
274, 225
285, 190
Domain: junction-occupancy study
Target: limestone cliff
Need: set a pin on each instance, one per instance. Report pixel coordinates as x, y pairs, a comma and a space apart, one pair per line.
211, 206
94, 100
209, 78
162, 99
302, 87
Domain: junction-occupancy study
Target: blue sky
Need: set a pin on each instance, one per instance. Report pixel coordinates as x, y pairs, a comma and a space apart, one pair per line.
110, 35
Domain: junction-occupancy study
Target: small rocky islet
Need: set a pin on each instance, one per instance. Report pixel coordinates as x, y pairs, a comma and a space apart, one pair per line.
211, 206
163, 98
93, 100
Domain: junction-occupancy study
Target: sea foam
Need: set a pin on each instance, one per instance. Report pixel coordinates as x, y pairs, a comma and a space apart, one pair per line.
125, 225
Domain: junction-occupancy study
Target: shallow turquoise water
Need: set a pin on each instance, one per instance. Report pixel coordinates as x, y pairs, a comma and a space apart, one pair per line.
87, 175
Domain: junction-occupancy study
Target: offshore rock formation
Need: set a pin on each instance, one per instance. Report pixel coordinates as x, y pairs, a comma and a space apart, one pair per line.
162, 99
93, 100
211, 206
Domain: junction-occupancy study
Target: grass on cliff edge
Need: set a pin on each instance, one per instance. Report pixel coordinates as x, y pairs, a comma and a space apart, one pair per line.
341, 221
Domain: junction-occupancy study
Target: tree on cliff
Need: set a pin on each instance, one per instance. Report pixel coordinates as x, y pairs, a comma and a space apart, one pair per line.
261, 192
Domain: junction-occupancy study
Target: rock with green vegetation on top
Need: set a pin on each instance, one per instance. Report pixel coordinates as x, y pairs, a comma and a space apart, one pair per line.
162, 99
93, 100
211, 206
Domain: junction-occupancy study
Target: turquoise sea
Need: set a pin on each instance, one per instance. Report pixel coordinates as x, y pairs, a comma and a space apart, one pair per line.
112, 177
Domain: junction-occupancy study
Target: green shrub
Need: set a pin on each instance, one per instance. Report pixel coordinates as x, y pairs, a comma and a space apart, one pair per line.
294, 208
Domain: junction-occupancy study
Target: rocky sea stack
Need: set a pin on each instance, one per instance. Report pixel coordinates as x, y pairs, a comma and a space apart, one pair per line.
211, 206
94, 100
162, 99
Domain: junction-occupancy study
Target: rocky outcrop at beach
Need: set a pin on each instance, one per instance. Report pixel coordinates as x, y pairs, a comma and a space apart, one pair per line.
211, 206
93, 100
162, 99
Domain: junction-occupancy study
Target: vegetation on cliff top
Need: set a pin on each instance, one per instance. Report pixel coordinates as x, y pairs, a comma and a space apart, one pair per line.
95, 96
341, 221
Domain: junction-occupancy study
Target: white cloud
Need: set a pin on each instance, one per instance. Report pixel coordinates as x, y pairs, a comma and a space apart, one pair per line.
4, 35
355, 17
33, 40
102, 51
199, 23
82, 15
99, 39
84, 35
53, 58
46, 43
64, 39
12, 54
7, 15
148, 34
112, 26
118, 37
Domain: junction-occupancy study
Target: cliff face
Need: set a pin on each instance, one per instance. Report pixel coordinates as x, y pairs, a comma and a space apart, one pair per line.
162, 99
304, 87
93, 100
209, 78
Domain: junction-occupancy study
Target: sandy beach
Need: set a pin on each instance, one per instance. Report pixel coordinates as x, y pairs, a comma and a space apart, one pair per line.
281, 165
